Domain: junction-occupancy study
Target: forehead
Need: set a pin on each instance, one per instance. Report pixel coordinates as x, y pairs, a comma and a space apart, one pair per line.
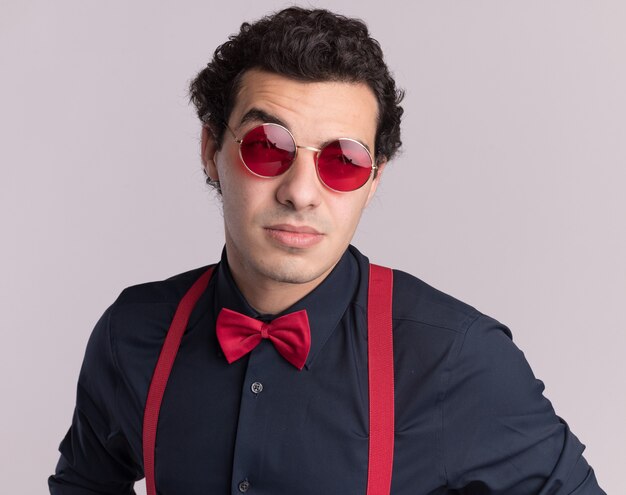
313, 111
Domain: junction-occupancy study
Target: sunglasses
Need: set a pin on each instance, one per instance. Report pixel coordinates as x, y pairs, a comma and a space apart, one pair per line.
268, 150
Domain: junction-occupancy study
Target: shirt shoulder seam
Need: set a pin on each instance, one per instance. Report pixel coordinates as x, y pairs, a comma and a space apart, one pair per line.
463, 327
118, 371
445, 382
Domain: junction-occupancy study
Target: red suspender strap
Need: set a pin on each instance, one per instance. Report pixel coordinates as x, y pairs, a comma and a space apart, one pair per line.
162, 373
380, 376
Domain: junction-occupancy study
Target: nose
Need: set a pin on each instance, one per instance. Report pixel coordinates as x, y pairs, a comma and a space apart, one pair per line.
299, 187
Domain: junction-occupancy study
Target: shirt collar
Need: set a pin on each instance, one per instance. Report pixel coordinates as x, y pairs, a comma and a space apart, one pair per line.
325, 305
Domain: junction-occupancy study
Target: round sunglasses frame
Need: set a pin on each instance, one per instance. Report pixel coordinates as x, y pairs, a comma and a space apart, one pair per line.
317, 152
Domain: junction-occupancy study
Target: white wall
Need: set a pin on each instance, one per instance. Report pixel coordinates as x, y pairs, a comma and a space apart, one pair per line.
509, 193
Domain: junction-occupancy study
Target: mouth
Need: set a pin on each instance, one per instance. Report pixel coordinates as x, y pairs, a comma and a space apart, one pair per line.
294, 236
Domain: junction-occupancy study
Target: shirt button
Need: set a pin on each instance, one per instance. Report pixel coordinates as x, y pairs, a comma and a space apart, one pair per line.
257, 387
243, 486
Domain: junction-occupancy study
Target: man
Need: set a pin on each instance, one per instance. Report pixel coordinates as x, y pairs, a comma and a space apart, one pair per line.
300, 117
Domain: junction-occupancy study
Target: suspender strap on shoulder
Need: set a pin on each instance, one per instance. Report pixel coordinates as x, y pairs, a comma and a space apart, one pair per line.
380, 376
162, 373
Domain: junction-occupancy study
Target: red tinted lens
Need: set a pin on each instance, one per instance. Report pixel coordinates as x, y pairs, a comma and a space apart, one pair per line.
344, 165
268, 150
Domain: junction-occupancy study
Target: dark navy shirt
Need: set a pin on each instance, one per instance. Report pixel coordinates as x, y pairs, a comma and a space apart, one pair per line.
470, 415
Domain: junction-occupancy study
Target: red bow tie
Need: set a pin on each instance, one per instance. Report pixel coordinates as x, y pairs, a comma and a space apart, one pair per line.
238, 334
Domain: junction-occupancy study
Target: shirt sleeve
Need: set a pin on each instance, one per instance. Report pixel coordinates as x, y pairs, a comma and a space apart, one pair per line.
500, 434
95, 455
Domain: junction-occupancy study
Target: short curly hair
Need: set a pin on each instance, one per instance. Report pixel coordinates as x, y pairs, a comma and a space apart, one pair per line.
307, 45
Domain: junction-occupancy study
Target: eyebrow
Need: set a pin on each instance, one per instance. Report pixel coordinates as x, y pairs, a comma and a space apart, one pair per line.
258, 115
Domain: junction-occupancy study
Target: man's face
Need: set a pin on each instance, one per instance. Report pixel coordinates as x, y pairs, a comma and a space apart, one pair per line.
290, 229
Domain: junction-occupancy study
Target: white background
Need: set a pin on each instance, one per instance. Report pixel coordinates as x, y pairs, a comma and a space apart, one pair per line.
509, 193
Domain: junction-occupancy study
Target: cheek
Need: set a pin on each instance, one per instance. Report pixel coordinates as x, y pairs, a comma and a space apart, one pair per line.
244, 198
234, 180
346, 214
237, 205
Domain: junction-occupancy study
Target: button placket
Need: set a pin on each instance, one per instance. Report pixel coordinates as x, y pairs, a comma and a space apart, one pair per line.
253, 414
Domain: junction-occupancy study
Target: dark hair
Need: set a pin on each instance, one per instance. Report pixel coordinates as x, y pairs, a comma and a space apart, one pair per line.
307, 45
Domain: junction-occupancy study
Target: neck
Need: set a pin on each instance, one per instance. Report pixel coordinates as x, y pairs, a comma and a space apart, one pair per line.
271, 296
267, 295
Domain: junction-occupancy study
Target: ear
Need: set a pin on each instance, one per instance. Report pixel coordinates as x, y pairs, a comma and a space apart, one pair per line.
208, 150
375, 181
